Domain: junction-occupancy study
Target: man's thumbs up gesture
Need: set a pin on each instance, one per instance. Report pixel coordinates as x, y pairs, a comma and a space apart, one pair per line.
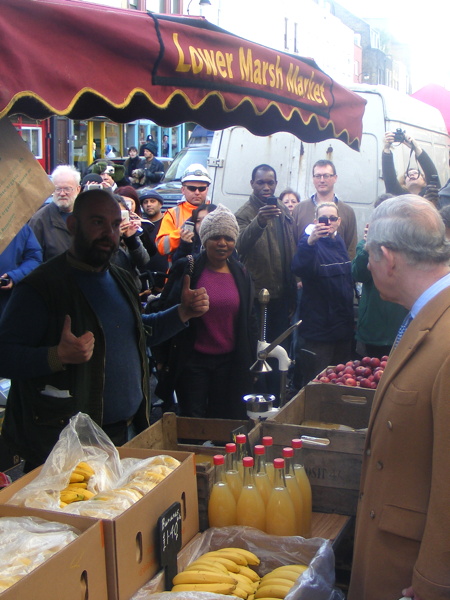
194, 303
74, 350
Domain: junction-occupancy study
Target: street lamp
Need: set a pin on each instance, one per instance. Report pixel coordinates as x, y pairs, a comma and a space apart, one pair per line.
201, 3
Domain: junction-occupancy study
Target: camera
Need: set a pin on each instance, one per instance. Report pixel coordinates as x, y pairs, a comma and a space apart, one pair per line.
125, 215
93, 186
324, 220
399, 136
189, 226
5, 281
272, 201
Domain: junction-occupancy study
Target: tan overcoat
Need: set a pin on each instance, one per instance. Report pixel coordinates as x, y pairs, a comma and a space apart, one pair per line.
403, 521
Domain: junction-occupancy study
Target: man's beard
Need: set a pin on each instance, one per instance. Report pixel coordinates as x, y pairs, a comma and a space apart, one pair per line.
88, 251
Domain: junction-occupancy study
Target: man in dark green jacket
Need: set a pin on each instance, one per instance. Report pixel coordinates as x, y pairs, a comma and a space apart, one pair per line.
73, 338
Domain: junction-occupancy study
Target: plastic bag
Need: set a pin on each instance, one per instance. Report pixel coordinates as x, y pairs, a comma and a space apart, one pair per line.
26, 542
317, 583
80, 440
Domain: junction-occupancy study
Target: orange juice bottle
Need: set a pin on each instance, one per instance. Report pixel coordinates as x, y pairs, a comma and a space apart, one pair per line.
280, 512
241, 451
221, 505
305, 486
231, 471
268, 445
293, 488
260, 474
251, 510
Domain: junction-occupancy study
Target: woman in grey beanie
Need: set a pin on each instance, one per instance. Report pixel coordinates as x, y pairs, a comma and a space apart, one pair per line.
208, 364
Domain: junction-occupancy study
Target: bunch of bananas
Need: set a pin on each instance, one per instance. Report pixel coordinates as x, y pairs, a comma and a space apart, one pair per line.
76, 490
225, 571
278, 582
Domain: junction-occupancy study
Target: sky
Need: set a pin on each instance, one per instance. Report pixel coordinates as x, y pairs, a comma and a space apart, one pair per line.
423, 26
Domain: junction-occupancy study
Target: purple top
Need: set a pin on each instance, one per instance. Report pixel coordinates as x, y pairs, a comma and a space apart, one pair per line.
216, 328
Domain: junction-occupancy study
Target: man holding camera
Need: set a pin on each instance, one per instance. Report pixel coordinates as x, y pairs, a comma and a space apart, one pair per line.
324, 180
326, 307
425, 184
266, 246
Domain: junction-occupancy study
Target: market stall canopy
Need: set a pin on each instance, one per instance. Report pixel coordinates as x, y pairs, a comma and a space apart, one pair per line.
80, 60
437, 96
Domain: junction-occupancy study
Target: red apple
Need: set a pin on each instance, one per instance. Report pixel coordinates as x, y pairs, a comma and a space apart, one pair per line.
375, 362
366, 361
383, 364
351, 382
365, 383
339, 368
367, 371
385, 358
377, 376
359, 370
349, 370
332, 376
324, 379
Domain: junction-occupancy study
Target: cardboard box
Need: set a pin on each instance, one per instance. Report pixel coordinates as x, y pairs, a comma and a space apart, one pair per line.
188, 434
130, 544
77, 571
334, 464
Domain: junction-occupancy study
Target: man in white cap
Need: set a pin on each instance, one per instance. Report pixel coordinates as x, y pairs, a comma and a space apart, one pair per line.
195, 183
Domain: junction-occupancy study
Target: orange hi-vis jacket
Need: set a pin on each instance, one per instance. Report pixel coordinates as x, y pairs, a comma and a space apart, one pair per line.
168, 238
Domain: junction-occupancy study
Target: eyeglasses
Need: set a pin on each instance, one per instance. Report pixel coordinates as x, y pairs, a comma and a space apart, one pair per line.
66, 190
324, 176
331, 218
412, 174
193, 188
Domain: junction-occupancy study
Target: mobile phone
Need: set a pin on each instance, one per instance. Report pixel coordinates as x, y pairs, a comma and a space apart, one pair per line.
5, 281
272, 200
93, 186
323, 219
434, 180
189, 226
125, 216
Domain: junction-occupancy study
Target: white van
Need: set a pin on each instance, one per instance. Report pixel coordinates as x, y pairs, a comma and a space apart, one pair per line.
235, 152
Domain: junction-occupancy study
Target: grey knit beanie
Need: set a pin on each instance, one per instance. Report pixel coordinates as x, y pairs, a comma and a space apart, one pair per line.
220, 221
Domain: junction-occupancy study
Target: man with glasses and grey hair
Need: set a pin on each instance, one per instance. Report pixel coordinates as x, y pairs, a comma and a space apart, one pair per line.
324, 180
49, 222
402, 541
194, 187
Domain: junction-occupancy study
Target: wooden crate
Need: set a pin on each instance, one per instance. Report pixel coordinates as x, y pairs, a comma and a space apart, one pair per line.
188, 435
334, 464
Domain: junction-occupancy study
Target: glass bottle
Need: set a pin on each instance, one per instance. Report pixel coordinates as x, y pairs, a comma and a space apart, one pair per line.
241, 451
221, 504
251, 510
280, 513
268, 445
293, 488
305, 486
260, 476
231, 470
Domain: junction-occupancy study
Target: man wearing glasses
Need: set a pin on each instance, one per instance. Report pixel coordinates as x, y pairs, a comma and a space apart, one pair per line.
324, 180
195, 183
49, 222
326, 307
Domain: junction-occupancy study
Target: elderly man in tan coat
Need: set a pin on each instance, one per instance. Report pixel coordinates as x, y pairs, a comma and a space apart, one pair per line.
402, 544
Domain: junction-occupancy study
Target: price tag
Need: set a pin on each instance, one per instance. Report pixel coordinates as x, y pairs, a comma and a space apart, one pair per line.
169, 541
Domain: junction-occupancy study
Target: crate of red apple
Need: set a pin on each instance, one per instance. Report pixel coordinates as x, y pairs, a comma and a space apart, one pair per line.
365, 373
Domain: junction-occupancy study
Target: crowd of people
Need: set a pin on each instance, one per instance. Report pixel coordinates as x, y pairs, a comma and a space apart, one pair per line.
101, 288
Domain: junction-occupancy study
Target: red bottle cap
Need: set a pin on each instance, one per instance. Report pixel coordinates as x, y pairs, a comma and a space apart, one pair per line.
259, 449
230, 448
219, 459
278, 463
288, 452
241, 438
267, 440
297, 443
247, 461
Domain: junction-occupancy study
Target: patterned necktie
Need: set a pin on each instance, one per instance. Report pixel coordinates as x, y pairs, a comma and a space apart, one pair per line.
403, 327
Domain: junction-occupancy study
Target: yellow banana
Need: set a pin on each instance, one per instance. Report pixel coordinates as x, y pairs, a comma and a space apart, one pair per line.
251, 558
229, 564
250, 573
240, 593
207, 566
69, 497
76, 477
244, 582
85, 474
296, 568
215, 588
86, 466
275, 581
62, 504
272, 591
229, 554
251, 597
78, 485
283, 573
202, 577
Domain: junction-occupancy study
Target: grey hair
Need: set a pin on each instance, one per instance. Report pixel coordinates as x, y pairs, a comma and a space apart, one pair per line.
322, 204
66, 170
411, 225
